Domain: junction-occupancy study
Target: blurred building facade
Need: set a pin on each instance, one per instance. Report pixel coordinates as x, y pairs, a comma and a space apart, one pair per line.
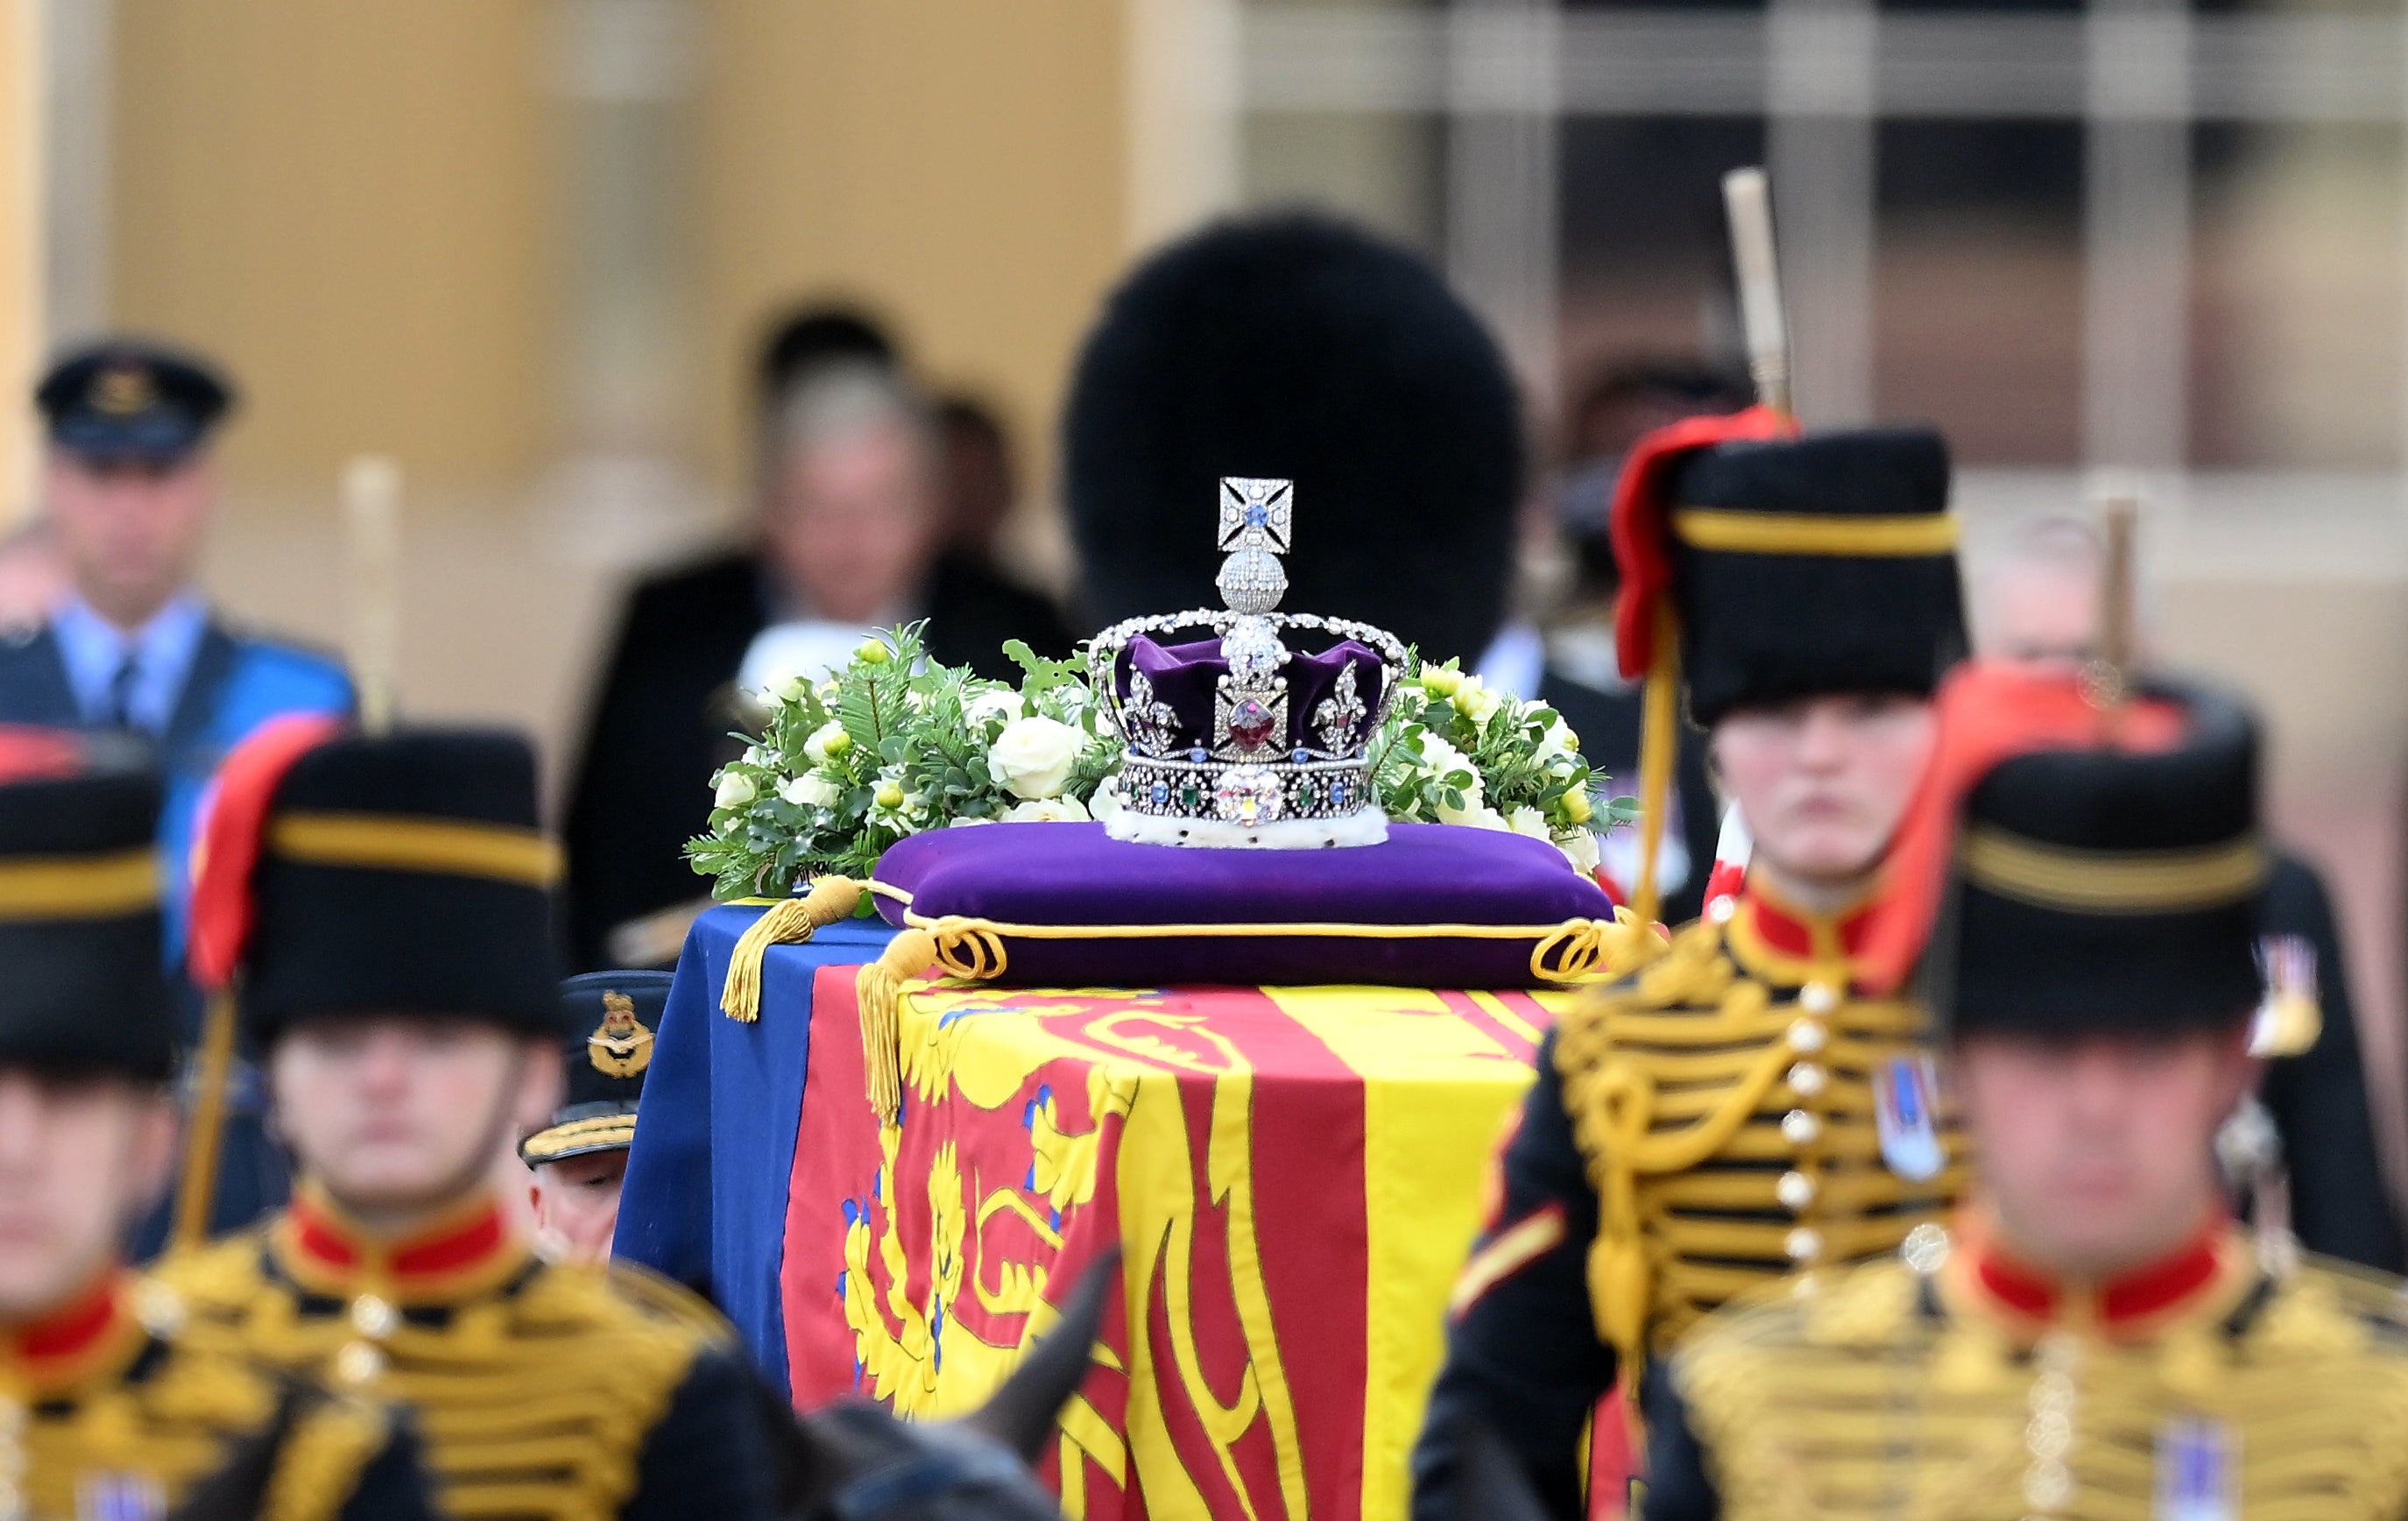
522, 247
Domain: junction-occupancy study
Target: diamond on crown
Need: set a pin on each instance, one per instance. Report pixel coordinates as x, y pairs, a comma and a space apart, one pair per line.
1261, 757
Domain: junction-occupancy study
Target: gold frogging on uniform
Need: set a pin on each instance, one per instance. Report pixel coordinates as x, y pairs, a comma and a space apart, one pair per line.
129, 1425
1887, 1394
621, 1045
1723, 1102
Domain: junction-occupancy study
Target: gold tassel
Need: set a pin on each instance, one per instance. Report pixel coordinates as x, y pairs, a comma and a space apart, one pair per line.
1660, 738
791, 923
199, 1187
880, 993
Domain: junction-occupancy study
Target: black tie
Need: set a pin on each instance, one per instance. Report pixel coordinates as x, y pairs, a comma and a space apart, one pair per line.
121, 692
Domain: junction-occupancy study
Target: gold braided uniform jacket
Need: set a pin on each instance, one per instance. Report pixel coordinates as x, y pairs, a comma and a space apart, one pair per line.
1965, 1390
1700, 1127
542, 1392
109, 1412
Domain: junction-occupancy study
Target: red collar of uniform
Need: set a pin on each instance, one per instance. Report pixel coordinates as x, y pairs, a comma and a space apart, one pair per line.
464, 1251
1781, 942
95, 1329
2203, 1277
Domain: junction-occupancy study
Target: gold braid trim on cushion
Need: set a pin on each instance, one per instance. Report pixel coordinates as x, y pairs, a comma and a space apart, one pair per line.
974, 950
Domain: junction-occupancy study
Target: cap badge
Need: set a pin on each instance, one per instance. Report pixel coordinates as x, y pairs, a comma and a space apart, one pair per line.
621, 1046
124, 390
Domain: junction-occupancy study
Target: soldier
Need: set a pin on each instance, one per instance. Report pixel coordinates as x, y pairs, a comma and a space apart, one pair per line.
2098, 1339
1712, 1122
580, 1159
106, 1408
128, 485
385, 903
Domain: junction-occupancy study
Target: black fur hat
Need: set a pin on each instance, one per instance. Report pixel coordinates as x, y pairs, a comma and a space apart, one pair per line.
1298, 347
345, 874
1761, 627
85, 989
2100, 889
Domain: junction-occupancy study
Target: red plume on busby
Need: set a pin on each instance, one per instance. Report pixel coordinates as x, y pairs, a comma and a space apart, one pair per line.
233, 830
1641, 525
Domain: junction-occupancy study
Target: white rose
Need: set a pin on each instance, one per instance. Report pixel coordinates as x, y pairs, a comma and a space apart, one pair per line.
1580, 848
811, 790
1476, 701
1526, 819
964, 823
1033, 756
755, 755
1107, 801
790, 689
736, 789
1047, 810
1559, 739
816, 747
1440, 758
1002, 702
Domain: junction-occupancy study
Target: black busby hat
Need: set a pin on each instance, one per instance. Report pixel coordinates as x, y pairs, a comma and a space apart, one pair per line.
132, 399
1758, 566
2083, 870
345, 874
85, 989
609, 1017
1296, 347
1815, 564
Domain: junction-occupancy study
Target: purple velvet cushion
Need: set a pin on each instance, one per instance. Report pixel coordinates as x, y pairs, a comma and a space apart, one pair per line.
1071, 874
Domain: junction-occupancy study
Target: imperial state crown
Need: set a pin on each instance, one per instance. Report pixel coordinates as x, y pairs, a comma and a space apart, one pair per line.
1236, 739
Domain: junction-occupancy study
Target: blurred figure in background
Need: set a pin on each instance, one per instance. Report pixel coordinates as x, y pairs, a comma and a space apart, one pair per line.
980, 491
33, 576
134, 648
1625, 400
2038, 598
851, 518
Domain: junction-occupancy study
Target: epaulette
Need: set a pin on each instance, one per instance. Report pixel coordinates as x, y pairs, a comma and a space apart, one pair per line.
669, 1301
222, 1276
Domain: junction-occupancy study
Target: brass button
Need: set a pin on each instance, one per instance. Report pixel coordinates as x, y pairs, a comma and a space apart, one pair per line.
1818, 997
1804, 1245
358, 1363
374, 1318
1799, 1127
1806, 1079
1794, 1190
1805, 1036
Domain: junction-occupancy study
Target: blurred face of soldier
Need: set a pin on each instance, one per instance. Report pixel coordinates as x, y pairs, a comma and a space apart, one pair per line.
851, 520
2096, 1155
2037, 610
1824, 780
576, 1204
80, 1157
397, 1117
130, 530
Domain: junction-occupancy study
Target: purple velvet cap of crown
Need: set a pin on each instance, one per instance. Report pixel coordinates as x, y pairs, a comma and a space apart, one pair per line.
1185, 677
1073, 874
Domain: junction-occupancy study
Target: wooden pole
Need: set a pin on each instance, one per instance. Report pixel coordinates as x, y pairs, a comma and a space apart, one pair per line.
2108, 681
1747, 197
372, 527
